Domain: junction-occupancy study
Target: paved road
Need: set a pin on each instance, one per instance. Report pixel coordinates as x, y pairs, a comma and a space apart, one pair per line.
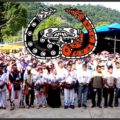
61, 112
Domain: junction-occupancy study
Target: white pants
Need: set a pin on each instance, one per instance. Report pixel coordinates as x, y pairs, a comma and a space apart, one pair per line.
19, 93
69, 97
3, 98
40, 98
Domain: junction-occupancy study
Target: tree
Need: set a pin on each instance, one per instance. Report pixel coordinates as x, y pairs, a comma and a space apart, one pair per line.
14, 16
2, 19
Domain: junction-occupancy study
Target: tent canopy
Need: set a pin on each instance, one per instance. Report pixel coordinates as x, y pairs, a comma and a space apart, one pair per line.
102, 29
107, 28
114, 26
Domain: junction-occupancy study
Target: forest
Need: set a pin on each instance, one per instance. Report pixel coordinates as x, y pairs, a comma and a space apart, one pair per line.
15, 16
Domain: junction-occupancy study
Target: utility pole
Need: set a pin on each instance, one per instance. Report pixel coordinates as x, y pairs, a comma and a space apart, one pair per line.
115, 44
22, 34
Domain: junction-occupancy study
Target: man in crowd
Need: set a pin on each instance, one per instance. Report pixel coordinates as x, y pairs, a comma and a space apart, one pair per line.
83, 77
117, 76
29, 87
15, 80
97, 85
109, 86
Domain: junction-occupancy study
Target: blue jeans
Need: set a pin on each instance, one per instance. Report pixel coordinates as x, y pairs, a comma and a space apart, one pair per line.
69, 97
82, 95
117, 96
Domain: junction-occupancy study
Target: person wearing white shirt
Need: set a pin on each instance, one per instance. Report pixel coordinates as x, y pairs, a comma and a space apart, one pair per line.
60, 69
54, 99
116, 72
40, 88
83, 77
9, 69
69, 85
109, 85
75, 76
59, 66
29, 87
3, 88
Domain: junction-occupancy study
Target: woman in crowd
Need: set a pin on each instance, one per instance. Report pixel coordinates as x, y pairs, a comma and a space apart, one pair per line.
40, 88
54, 99
69, 85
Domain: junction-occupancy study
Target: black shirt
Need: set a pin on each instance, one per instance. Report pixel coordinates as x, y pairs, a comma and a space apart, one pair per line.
14, 75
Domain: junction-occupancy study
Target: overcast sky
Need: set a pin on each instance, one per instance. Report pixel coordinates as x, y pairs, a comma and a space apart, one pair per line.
113, 5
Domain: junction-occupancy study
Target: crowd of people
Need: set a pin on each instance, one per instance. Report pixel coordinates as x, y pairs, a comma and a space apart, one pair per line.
40, 83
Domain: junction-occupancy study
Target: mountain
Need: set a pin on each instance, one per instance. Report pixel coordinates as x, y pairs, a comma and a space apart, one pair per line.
99, 15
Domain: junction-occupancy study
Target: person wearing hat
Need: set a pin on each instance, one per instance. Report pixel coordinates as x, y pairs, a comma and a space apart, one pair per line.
60, 70
29, 87
3, 88
40, 88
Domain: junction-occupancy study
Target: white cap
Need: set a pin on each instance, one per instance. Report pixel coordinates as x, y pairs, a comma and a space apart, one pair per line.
28, 68
101, 64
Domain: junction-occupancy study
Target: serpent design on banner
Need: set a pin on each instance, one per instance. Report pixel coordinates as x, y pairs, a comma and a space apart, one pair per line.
60, 42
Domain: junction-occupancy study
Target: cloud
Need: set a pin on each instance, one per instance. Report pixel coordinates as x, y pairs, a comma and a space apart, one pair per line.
112, 5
